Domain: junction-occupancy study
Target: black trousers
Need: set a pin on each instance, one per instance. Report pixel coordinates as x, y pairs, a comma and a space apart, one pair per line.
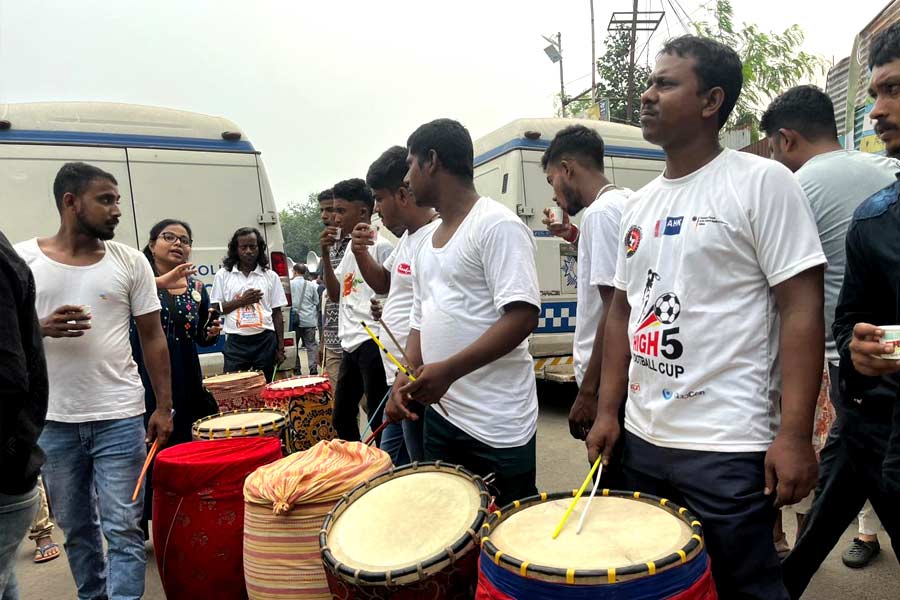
725, 491
850, 471
362, 372
514, 468
251, 353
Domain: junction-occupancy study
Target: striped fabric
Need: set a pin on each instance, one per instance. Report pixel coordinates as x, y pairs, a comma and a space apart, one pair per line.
285, 504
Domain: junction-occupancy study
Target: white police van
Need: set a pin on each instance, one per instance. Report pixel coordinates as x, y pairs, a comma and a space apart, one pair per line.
169, 164
508, 169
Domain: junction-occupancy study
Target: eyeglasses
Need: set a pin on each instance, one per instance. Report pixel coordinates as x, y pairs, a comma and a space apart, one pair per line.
170, 237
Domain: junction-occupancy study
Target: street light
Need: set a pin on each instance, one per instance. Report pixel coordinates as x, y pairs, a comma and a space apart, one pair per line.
554, 53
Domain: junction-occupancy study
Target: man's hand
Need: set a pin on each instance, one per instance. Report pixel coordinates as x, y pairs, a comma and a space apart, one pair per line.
362, 236
213, 329
791, 469
376, 309
602, 438
582, 413
396, 406
865, 348
248, 297
563, 230
175, 278
160, 426
327, 240
279, 355
432, 382
66, 321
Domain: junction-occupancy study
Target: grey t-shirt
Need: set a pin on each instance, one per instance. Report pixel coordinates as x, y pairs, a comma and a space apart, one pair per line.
835, 184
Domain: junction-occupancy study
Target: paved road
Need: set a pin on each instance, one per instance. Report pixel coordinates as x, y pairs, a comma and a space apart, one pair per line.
561, 466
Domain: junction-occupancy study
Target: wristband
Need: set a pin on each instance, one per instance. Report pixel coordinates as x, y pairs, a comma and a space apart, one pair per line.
573, 236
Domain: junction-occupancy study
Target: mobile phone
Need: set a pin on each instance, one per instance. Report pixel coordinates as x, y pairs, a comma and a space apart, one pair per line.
215, 311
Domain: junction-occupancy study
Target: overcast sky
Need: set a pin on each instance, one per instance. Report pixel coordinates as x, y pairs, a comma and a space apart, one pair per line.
322, 88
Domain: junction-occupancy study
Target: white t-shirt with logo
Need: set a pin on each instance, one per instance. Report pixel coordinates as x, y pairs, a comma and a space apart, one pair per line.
94, 377
460, 290
399, 302
598, 243
356, 297
256, 318
698, 258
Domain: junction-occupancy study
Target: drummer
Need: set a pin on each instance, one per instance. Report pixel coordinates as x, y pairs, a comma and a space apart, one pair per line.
403, 217
716, 254
475, 301
251, 297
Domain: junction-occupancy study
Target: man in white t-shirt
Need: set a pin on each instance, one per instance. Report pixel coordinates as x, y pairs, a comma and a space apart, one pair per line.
361, 371
475, 301
574, 166
89, 289
398, 210
719, 293
251, 296
802, 133
304, 315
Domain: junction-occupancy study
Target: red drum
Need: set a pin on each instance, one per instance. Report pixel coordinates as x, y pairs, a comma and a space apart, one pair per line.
409, 534
307, 403
198, 515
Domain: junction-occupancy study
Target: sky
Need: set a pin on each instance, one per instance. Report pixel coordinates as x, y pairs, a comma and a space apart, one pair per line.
322, 88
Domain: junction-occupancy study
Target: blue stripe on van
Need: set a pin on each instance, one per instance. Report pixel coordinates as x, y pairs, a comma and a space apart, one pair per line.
121, 140
557, 317
526, 144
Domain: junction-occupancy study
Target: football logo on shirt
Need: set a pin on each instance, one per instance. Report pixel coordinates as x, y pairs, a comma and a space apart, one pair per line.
655, 337
632, 240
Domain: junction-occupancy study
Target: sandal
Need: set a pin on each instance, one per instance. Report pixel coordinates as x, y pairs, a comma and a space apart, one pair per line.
45, 553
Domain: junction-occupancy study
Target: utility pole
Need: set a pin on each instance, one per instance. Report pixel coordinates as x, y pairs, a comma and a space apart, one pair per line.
562, 85
629, 96
593, 57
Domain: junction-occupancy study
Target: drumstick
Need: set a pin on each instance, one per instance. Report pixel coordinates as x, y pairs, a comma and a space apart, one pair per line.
140, 481
394, 360
378, 429
590, 498
396, 343
569, 510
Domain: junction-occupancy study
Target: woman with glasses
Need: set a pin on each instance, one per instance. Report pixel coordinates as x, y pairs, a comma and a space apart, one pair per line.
186, 322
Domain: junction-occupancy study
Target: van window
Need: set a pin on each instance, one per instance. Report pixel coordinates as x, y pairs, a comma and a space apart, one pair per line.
26, 178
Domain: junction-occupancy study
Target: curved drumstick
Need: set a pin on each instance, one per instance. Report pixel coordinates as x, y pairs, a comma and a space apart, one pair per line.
590, 498
578, 494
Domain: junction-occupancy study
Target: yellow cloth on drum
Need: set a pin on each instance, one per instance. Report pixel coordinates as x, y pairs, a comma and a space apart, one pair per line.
285, 504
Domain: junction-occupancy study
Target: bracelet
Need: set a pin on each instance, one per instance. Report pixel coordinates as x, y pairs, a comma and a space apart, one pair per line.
573, 236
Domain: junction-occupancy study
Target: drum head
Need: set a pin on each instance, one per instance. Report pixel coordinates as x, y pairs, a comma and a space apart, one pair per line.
405, 521
297, 382
617, 532
238, 420
229, 377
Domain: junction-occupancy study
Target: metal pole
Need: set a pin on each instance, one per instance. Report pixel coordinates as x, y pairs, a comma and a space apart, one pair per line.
593, 57
630, 93
562, 85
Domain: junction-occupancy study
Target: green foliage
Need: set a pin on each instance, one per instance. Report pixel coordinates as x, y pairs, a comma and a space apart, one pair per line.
612, 83
773, 61
301, 227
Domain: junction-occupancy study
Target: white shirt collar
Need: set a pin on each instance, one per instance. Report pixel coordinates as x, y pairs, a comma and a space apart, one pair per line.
258, 269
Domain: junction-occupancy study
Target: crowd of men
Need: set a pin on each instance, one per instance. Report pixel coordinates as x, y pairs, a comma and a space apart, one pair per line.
707, 319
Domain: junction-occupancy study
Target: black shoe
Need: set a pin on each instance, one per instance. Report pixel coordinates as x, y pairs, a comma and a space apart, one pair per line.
860, 553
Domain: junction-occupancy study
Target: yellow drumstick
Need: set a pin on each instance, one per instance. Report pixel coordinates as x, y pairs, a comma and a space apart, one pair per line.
394, 360
584, 485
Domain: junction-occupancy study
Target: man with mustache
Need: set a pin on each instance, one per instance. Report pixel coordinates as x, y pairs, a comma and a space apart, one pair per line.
866, 461
88, 291
724, 246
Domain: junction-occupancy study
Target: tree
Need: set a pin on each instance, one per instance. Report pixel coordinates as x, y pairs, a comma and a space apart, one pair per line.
773, 62
612, 81
301, 227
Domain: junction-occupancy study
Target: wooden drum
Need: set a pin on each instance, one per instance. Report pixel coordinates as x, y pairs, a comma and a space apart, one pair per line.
253, 422
236, 391
408, 534
632, 546
307, 403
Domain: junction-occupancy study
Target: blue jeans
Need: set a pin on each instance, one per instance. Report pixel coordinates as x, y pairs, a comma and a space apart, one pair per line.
403, 440
392, 443
16, 513
90, 475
